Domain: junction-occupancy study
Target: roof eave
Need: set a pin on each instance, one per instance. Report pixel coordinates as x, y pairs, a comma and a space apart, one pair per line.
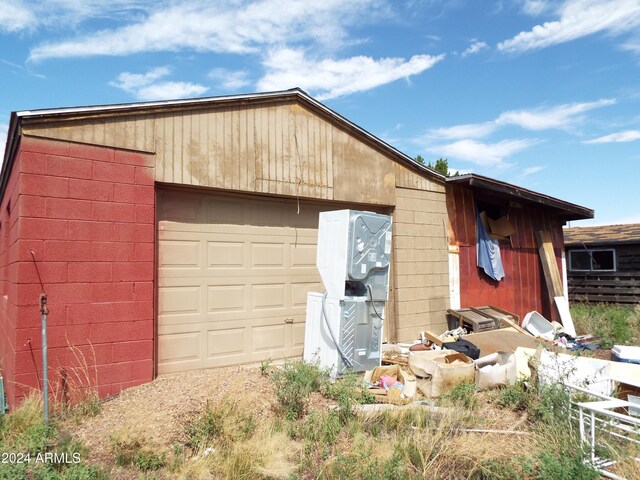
569, 211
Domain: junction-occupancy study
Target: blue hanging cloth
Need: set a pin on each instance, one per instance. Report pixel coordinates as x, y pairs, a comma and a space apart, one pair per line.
488, 252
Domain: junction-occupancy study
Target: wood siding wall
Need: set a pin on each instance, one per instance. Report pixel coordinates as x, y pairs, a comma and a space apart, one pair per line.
421, 261
621, 286
522, 289
282, 149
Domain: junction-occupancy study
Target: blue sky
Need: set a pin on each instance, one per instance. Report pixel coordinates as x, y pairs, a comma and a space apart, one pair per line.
543, 94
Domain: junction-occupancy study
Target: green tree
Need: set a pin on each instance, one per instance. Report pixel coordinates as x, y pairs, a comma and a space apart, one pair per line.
441, 166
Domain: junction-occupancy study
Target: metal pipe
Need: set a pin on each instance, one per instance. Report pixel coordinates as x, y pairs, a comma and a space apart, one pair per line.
44, 311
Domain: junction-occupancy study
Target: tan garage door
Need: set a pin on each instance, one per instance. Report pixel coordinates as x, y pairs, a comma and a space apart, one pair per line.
233, 276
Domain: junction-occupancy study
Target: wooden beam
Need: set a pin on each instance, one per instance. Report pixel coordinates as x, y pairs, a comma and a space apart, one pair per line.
549, 264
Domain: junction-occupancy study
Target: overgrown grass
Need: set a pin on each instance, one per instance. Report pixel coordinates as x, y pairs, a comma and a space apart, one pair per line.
295, 381
225, 441
23, 433
613, 324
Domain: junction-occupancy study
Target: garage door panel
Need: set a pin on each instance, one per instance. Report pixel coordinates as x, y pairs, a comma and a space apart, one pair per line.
233, 278
226, 254
271, 254
302, 255
180, 346
226, 298
268, 296
272, 337
227, 342
179, 254
297, 333
179, 299
299, 292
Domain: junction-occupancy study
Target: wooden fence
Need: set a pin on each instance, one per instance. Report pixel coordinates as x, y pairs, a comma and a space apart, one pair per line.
610, 287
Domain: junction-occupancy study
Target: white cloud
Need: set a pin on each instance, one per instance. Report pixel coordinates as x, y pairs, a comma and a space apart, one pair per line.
131, 82
557, 117
145, 86
576, 19
170, 90
475, 47
467, 130
531, 170
18, 15
535, 7
15, 16
626, 136
329, 78
483, 154
230, 79
561, 116
225, 26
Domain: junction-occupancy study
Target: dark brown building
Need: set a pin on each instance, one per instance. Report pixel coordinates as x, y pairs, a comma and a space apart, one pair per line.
604, 263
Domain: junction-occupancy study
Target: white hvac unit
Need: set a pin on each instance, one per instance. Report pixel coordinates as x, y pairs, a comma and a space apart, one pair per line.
344, 326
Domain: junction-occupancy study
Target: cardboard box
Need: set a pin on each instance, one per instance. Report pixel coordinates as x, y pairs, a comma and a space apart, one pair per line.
394, 395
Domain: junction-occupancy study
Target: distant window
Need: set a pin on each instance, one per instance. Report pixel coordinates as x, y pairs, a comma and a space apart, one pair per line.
589, 260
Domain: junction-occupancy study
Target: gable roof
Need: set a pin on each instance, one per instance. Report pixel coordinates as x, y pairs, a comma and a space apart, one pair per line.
629, 233
295, 94
498, 189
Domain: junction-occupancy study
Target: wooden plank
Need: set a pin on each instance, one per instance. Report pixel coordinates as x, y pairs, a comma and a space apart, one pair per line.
607, 291
502, 340
432, 337
549, 264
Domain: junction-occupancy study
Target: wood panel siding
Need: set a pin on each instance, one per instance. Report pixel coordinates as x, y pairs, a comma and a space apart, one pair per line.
522, 289
621, 286
421, 274
278, 148
128, 132
607, 287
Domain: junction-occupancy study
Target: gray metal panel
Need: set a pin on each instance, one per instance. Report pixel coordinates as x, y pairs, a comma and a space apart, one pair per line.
360, 335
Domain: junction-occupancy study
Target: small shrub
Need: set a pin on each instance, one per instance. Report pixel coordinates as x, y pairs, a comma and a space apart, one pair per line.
294, 383
146, 460
554, 466
348, 391
265, 365
364, 466
551, 405
204, 429
515, 397
465, 394
321, 428
606, 343
125, 446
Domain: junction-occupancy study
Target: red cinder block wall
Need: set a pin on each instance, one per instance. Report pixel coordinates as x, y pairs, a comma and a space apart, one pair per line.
88, 214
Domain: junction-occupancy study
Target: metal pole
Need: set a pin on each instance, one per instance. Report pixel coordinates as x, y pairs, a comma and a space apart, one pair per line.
45, 383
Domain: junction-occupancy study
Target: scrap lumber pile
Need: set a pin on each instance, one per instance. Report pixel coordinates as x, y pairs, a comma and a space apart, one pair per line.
485, 345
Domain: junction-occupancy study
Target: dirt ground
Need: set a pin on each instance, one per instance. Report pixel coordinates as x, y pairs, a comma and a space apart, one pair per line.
158, 411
